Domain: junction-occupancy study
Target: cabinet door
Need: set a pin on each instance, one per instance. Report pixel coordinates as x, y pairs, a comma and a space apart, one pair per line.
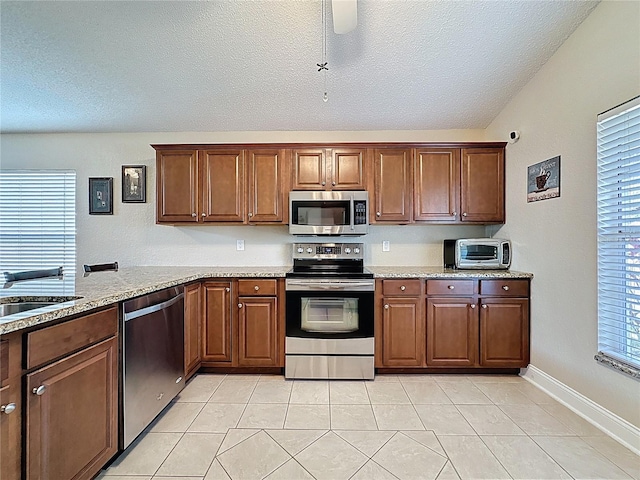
482, 188
177, 186
392, 186
10, 423
257, 332
192, 329
72, 425
402, 332
308, 169
266, 190
437, 185
504, 332
347, 169
452, 332
223, 185
217, 322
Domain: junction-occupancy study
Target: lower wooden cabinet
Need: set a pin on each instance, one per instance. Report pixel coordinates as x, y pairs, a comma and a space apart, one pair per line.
72, 414
402, 332
452, 332
10, 406
257, 331
192, 329
216, 333
504, 332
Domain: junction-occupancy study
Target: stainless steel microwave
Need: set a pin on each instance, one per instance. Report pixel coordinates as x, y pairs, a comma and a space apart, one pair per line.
477, 253
329, 213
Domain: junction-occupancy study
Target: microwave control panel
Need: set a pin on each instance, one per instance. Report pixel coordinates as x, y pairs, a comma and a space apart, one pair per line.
360, 212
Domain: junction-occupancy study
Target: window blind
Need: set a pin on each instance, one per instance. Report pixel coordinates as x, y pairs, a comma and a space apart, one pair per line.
618, 199
38, 228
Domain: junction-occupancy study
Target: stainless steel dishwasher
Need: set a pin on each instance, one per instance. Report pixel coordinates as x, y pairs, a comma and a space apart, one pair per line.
153, 357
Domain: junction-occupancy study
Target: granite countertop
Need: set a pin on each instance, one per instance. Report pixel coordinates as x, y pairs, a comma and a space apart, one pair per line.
106, 288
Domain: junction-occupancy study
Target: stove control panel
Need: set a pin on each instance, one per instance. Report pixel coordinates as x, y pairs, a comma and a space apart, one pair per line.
328, 250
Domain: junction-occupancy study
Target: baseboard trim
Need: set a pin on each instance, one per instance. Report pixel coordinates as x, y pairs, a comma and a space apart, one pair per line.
610, 423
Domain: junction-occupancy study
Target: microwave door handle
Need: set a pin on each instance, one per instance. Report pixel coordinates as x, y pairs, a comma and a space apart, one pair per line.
352, 213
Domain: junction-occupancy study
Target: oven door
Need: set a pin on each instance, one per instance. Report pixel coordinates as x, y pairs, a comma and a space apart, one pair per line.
329, 310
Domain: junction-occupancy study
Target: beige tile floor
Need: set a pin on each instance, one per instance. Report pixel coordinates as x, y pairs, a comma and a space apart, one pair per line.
397, 427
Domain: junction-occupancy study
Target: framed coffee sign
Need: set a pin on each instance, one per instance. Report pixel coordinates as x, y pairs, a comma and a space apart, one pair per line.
543, 180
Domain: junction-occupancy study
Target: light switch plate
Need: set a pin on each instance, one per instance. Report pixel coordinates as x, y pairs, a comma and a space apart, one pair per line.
385, 245
239, 245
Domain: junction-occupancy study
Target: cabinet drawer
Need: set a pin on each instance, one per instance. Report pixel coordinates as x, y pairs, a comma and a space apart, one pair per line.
450, 287
401, 287
257, 287
505, 288
50, 343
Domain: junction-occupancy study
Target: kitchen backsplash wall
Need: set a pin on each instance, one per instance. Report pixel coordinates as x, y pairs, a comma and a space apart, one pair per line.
131, 237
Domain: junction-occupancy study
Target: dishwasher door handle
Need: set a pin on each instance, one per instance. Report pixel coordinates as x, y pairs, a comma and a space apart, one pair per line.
152, 308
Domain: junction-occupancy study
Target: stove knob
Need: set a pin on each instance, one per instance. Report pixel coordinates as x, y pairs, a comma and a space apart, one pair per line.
347, 250
356, 250
309, 250
300, 249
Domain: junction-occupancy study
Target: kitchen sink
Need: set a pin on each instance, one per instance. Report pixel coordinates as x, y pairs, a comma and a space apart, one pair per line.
11, 308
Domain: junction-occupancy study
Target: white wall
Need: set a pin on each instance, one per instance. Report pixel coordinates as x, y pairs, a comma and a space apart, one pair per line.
597, 68
131, 237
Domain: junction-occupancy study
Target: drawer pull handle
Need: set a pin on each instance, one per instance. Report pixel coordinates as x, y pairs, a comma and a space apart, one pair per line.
386, 307
484, 306
256, 288
473, 305
40, 390
505, 287
451, 287
403, 288
8, 408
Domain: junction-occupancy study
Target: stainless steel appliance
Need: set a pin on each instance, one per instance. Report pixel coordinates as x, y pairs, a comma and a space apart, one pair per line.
477, 253
328, 213
329, 313
153, 357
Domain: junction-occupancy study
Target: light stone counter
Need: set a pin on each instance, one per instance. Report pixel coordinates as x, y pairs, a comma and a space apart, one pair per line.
106, 288
439, 272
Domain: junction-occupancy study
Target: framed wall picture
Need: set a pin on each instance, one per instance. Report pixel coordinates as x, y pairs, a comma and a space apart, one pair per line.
101, 196
543, 180
134, 184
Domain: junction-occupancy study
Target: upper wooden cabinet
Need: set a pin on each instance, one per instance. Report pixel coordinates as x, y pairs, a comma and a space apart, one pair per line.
391, 201
221, 185
328, 169
453, 185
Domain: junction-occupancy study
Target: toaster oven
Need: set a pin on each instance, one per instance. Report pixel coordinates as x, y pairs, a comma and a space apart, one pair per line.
477, 253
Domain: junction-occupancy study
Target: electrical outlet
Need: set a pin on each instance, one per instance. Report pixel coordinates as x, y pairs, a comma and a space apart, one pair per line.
385, 245
239, 245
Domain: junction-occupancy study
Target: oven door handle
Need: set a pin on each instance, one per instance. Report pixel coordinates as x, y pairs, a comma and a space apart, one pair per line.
334, 286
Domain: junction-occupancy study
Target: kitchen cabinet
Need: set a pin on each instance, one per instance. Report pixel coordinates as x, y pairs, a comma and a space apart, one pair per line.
504, 323
229, 185
72, 402
217, 331
454, 185
10, 406
392, 186
192, 329
401, 330
340, 168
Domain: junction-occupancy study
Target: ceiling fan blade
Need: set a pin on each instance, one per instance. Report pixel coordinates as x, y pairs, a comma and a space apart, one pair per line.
345, 15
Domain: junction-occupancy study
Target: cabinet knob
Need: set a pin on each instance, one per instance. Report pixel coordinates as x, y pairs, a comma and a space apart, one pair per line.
386, 307
8, 408
464, 214
377, 214
403, 288
451, 287
256, 288
250, 214
454, 213
227, 289
204, 214
40, 390
484, 305
505, 287
324, 183
239, 305
333, 183
473, 305
194, 215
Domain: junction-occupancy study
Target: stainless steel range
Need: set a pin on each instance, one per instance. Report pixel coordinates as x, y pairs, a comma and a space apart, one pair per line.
330, 303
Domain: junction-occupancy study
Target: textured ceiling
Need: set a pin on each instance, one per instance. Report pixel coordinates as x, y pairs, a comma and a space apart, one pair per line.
145, 66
